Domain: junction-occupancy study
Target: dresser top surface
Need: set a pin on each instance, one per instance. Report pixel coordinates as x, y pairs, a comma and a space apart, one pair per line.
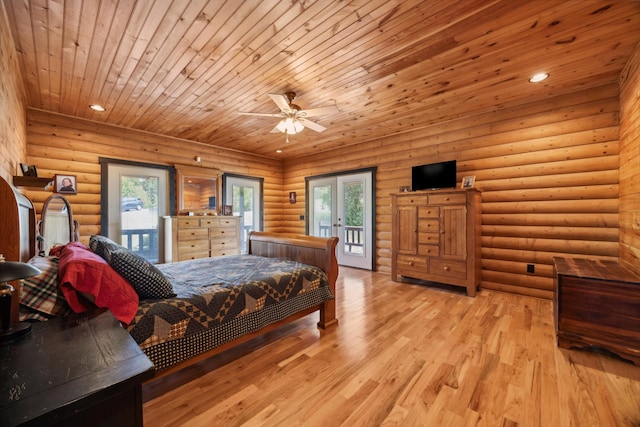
65, 360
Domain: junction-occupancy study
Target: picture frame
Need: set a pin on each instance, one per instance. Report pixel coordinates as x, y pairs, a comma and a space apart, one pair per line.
28, 170
468, 181
292, 197
227, 210
65, 184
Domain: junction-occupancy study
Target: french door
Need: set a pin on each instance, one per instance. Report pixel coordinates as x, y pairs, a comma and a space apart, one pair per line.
244, 195
137, 196
342, 206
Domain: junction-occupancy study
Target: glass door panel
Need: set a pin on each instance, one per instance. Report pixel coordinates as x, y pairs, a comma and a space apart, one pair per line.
244, 194
322, 218
138, 200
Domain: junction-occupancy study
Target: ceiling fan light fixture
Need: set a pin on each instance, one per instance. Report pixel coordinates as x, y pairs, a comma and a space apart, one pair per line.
289, 126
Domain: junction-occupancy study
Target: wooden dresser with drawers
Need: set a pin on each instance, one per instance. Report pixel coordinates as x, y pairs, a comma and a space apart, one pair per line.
436, 237
191, 237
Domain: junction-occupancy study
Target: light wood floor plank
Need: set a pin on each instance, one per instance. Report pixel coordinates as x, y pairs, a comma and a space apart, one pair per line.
405, 354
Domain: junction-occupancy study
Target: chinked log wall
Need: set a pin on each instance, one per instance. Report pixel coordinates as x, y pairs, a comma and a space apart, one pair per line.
66, 145
548, 172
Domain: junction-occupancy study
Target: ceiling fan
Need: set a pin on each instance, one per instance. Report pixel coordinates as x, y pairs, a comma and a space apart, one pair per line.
293, 118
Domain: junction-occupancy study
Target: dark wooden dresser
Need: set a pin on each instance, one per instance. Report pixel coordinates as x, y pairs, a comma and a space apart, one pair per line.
597, 307
84, 370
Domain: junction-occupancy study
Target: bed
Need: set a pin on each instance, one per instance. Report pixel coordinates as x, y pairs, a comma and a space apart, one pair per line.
202, 313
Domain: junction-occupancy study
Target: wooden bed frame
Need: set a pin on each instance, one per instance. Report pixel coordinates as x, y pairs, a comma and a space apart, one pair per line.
317, 251
17, 239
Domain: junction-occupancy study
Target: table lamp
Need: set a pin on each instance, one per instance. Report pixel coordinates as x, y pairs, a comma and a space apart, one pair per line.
9, 271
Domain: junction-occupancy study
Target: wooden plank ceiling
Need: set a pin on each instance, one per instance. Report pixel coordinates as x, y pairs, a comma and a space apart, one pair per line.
186, 68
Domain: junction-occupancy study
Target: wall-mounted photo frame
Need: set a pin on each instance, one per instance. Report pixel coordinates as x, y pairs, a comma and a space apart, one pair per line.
28, 170
227, 210
468, 181
66, 184
292, 197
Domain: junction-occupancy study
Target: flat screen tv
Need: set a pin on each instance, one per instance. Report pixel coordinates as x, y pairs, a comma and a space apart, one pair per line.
434, 176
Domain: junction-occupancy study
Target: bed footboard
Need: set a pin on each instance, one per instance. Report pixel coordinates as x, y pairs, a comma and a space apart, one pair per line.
317, 251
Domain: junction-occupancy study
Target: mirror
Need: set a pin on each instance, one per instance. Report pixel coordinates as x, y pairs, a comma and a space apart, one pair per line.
198, 189
56, 225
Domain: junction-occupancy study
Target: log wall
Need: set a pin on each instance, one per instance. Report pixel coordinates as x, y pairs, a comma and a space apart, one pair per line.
67, 145
548, 172
630, 163
13, 135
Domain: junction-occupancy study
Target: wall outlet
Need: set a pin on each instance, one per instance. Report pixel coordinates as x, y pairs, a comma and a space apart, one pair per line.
301, 217
531, 268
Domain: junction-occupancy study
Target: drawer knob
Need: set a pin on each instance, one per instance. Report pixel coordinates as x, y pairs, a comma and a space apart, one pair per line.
446, 268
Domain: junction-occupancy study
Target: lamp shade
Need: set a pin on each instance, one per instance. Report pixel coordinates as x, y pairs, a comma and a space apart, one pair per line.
10, 270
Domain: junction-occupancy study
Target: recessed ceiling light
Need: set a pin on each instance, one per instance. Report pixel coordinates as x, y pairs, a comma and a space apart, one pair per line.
536, 78
278, 151
97, 107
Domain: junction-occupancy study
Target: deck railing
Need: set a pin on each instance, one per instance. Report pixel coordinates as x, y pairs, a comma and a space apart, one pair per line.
143, 241
353, 236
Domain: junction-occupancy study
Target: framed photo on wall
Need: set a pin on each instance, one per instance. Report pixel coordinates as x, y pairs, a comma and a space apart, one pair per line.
468, 181
28, 170
65, 184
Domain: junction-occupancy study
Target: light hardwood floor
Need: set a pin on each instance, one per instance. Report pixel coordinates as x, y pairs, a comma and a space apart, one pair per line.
406, 355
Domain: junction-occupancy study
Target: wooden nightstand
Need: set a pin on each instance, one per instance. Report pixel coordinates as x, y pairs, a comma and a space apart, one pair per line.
84, 370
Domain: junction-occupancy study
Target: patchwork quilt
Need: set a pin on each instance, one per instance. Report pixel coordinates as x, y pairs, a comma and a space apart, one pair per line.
220, 299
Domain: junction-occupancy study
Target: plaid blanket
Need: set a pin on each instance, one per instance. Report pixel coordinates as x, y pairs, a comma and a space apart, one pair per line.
41, 297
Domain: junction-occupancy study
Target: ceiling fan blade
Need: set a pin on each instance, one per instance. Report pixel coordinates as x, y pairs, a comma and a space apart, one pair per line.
312, 125
281, 101
260, 114
319, 111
